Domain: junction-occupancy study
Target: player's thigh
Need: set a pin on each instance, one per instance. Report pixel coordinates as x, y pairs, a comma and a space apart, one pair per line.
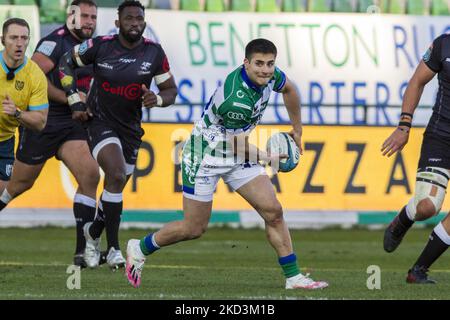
106, 147
77, 157
260, 194
23, 176
111, 160
197, 213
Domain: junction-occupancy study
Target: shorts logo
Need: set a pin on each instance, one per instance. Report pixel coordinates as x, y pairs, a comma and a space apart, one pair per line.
235, 116
19, 85
434, 160
8, 170
130, 92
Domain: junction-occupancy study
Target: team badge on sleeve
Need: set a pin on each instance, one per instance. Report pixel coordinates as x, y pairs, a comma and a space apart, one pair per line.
85, 46
47, 47
427, 56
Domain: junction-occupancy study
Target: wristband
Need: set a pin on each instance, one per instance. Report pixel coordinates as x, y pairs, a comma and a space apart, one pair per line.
406, 114
159, 100
405, 123
73, 99
79, 106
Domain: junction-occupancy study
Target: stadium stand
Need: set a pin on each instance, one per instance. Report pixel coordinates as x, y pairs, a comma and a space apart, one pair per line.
294, 6
319, 6
242, 5
343, 6
215, 6
397, 6
53, 11
417, 7
191, 5
439, 7
267, 6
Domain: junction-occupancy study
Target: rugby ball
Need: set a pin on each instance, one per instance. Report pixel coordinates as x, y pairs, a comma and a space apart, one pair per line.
283, 143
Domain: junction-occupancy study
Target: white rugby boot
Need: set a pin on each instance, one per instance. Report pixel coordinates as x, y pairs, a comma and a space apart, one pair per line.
301, 281
92, 251
115, 259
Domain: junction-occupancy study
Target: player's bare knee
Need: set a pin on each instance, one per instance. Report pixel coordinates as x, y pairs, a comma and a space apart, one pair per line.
116, 179
90, 179
425, 210
273, 214
192, 232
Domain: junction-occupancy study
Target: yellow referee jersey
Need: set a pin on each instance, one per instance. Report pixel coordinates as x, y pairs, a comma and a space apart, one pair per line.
28, 90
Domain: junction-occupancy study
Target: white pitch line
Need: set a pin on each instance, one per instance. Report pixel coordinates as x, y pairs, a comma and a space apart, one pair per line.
160, 266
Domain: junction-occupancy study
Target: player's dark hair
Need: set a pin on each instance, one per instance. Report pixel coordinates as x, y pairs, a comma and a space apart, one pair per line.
88, 2
130, 3
263, 46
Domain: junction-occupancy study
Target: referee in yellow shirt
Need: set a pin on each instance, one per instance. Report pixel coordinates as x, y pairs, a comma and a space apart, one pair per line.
23, 92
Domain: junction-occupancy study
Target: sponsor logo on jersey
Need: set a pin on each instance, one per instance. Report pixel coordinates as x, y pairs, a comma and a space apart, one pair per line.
146, 66
47, 48
106, 66
19, 85
240, 94
235, 115
124, 60
130, 92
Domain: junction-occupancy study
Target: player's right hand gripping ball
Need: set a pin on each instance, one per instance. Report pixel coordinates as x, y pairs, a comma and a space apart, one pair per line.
283, 143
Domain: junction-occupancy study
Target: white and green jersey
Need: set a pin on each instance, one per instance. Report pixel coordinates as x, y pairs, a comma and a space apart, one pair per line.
236, 107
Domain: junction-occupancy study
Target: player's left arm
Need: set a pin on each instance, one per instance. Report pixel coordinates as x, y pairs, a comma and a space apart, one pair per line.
166, 96
164, 81
292, 102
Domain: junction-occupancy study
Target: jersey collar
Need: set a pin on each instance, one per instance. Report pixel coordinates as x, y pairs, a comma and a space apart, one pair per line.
249, 82
6, 69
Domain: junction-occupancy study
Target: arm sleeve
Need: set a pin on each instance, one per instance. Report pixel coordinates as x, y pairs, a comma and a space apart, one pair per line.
280, 80
163, 62
433, 57
38, 100
50, 47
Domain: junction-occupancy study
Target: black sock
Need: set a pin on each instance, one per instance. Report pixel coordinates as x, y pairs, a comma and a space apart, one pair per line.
433, 250
404, 219
112, 207
2, 205
5, 198
98, 225
84, 212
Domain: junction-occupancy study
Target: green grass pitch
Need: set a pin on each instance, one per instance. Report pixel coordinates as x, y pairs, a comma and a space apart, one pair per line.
223, 264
